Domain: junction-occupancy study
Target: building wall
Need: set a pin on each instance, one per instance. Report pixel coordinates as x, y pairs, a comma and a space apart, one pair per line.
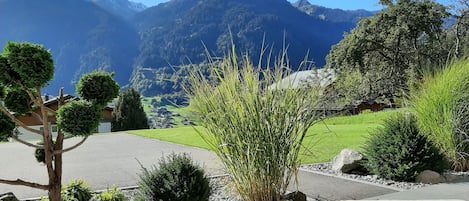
104, 127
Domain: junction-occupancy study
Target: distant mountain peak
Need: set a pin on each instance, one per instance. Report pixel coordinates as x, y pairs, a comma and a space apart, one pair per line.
301, 3
329, 14
123, 8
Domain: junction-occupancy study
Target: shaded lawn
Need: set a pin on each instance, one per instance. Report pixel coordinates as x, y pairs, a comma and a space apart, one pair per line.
323, 141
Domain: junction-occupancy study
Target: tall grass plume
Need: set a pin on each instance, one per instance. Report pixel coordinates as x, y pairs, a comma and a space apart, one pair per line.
442, 109
255, 125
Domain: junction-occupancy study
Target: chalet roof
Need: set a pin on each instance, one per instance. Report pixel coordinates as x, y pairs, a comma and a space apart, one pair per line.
55, 100
67, 98
317, 77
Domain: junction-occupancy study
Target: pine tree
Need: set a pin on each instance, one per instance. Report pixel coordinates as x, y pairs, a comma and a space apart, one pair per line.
129, 114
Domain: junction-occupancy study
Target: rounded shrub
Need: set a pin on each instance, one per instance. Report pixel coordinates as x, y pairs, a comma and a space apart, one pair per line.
399, 152
176, 178
40, 155
77, 191
22, 57
6, 127
98, 87
79, 118
17, 100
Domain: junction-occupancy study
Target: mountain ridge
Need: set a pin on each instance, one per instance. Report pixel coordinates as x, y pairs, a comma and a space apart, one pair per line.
84, 35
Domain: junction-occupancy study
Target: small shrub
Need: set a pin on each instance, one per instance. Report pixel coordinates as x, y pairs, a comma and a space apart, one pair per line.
77, 191
399, 152
176, 179
112, 195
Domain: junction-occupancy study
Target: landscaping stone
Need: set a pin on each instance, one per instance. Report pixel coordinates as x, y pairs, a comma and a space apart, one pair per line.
348, 161
8, 197
295, 196
430, 177
451, 177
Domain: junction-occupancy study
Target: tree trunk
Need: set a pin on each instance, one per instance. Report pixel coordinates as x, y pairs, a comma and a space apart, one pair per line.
54, 192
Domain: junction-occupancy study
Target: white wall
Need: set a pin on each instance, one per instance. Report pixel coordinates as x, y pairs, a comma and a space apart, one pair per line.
104, 127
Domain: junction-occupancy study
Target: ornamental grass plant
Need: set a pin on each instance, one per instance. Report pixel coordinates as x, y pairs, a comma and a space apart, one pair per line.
254, 122
442, 108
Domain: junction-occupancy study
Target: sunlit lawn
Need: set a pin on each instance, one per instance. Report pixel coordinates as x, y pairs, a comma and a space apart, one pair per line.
324, 140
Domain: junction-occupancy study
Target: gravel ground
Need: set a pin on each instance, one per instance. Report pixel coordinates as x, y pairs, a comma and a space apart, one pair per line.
222, 191
327, 169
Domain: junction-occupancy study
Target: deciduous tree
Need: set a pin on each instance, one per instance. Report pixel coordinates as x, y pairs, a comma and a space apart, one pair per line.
399, 41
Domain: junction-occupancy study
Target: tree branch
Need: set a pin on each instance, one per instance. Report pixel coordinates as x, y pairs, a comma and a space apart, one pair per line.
20, 123
72, 147
51, 110
30, 93
38, 117
15, 137
19, 182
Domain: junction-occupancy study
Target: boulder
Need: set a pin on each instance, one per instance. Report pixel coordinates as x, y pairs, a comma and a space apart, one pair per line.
430, 177
8, 197
348, 161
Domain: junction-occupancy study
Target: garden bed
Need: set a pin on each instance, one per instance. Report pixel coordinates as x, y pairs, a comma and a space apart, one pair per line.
326, 168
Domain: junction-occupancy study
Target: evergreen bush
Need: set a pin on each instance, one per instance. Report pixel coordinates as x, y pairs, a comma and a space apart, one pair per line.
399, 152
112, 195
77, 191
176, 178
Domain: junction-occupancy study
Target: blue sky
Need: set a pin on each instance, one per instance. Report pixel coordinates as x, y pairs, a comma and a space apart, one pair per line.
342, 4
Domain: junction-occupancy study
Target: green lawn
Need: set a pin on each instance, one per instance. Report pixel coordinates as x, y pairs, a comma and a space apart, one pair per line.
324, 140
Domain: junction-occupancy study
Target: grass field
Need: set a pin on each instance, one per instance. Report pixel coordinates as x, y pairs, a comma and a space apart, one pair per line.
324, 140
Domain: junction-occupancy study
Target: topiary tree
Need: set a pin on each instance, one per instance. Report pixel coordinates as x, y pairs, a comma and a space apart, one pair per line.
129, 114
24, 69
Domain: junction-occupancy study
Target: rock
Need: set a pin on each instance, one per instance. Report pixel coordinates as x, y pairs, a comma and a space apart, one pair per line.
451, 177
8, 197
348, 161
294, 196
430, 177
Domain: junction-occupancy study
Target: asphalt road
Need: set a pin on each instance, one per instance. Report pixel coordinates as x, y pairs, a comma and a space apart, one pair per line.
102, 161
113, 159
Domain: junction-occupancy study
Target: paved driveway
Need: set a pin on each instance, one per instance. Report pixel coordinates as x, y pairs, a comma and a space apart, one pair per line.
102, 161
112, 159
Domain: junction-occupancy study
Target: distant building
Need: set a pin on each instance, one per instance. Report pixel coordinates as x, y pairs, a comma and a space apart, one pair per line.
33, 122
325, 78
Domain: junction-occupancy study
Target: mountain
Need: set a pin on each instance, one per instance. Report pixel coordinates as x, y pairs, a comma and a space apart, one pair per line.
81, 36
174, 31
332, 15
179, 31
123, 8
114, 35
